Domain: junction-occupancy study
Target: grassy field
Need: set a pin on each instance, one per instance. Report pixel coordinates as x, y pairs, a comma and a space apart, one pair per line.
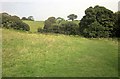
34, 25
49, 55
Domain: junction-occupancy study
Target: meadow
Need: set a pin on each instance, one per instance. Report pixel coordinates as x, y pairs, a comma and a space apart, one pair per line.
28, 54
34, 25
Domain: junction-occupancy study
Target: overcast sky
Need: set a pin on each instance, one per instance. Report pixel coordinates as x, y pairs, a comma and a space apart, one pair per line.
42, 9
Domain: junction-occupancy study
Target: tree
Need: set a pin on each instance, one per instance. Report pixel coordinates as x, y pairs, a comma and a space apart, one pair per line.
59, 25
24, 18
49, 22
59, 20
14, 22
69, 28
116, 30
97, 22
72, 17
31, 18
52, 19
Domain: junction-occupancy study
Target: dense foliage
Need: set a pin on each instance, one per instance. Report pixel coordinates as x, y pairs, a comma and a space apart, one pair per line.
30, 18
49, 22
59, 25
14, 22
97, 22
69, 28
72, 17
116, 30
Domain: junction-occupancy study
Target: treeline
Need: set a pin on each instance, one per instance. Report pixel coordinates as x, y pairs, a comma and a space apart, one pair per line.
30, 18
59, 25
13, 22
98, 22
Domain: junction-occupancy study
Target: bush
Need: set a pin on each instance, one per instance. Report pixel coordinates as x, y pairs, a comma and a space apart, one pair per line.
40, 30
95, 30
69, 27
24, 18
49, 22
60, 26
55, 28
14, 22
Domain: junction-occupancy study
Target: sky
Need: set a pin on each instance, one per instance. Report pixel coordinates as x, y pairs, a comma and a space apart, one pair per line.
42, 9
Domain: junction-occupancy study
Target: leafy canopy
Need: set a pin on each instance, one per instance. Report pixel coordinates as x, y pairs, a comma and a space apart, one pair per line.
72, 17
97, 22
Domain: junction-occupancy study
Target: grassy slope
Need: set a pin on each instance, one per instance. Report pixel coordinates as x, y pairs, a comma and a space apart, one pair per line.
0, 53
34, 25
34, 55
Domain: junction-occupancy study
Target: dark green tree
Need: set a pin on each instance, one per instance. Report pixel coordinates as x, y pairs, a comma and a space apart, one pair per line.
69, 28
14, 22
116, 30
24, 18
30, 18
59, 20
59, 25
97, 22
48, 23
72, 17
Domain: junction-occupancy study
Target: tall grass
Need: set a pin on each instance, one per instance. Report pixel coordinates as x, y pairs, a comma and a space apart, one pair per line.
51, 55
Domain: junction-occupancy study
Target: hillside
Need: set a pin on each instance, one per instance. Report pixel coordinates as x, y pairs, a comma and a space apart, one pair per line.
33, 55
34, 25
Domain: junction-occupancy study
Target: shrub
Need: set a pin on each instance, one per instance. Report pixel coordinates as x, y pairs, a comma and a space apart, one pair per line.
69, 28
41, 30
14, 22
49, 22
55, 28
59, 25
